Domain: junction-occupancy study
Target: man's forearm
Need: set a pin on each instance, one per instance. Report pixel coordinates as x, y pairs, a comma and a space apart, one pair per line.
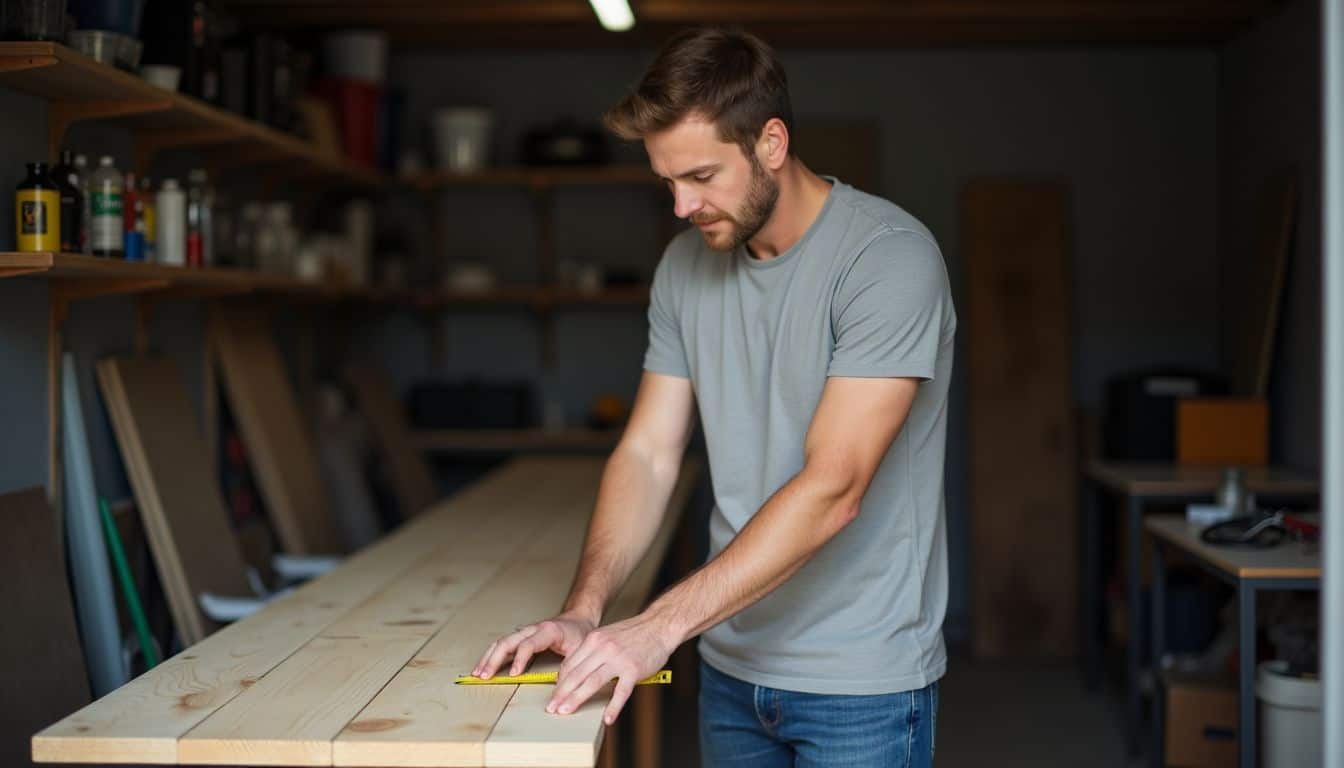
795, 522
631, 502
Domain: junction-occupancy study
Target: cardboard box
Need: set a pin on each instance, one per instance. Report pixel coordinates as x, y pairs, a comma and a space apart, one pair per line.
1224, 431
1201, 727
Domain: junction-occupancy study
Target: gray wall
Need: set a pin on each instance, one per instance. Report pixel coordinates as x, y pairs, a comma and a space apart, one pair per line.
1269, 123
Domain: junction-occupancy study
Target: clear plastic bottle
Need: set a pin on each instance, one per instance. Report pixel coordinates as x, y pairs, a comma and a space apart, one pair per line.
171, 222
105, 207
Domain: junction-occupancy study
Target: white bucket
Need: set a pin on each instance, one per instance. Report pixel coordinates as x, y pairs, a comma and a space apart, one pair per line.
462, 138
1290, 717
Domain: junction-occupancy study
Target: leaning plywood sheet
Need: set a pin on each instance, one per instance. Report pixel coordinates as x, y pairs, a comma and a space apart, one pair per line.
1015, 241
42, 672
274, 432
406, 464
142, 722
184, 517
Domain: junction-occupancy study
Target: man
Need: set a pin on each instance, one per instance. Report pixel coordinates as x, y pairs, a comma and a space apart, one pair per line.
813, 325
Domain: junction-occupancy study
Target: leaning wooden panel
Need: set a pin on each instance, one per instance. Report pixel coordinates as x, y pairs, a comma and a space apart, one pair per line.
142, 721
1017, 326
406, 463
275, 433
185, 518
421, 718
291, 716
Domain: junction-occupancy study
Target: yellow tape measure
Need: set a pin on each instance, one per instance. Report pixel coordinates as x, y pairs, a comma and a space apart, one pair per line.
541, 678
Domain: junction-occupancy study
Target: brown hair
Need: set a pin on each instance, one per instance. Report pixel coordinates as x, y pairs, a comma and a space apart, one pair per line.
728, 76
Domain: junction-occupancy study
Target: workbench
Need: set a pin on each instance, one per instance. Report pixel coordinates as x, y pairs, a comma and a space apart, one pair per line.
357, 667
1141, 485
1291, 565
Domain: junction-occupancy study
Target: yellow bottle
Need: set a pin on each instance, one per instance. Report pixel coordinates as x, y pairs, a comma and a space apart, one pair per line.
37, 211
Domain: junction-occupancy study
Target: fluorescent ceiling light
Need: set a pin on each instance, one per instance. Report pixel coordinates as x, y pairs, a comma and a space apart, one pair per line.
613, 15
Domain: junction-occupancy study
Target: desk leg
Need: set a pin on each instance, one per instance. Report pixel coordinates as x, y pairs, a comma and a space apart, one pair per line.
1093, 638
1246, 678
647, 727
1159, 647
1133, 641
611, 743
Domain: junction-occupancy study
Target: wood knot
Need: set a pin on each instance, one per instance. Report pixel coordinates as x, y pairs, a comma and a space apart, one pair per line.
248, 682
377, 724
410, 623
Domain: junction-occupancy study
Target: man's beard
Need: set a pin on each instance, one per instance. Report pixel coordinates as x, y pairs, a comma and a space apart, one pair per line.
762, 194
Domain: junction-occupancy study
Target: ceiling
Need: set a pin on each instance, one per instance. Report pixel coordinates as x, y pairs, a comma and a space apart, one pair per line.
795, 23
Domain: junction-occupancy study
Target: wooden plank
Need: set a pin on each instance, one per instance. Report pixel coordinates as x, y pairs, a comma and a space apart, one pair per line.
420, 718
274, 431
1144, 479
526, 735
291, 716
184, 516
41, 663
1015, 240
142, 721
406, 464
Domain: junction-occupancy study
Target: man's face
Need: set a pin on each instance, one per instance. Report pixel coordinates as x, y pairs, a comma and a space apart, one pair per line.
714, 185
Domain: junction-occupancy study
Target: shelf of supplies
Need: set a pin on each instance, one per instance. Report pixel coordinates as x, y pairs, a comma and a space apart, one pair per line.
78, 88
462, 441
544, 297
143, 277
542, 178
204, 280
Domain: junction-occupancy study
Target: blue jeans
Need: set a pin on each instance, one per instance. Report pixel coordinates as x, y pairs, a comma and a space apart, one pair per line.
756, 727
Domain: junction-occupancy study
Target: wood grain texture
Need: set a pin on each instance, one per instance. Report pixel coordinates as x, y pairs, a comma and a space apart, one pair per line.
142, 721
407, 468
1015, 239
356, 667
185, 519
41, 665
275, 433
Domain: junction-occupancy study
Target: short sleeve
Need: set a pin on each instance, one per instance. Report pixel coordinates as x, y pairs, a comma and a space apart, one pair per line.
892, 309
667, 351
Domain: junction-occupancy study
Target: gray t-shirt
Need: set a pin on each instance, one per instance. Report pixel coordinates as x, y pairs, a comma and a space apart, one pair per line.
863, 293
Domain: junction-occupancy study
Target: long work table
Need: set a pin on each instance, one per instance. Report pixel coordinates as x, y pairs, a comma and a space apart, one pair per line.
356, 668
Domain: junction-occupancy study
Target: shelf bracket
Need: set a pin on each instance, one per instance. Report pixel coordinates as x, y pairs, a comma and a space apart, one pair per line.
63, 114
65, 292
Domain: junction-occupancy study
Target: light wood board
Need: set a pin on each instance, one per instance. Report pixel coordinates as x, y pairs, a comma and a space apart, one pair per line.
357, 666
1015, 241
42, 672
184, 517
407, 468
275, 433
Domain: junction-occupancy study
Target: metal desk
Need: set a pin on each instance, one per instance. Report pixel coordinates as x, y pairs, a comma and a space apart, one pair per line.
1289, 566
1140, 485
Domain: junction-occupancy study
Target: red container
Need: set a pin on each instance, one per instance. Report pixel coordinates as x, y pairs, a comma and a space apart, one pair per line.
354, 104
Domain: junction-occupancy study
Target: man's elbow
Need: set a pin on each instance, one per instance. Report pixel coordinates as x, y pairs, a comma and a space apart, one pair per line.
841, 492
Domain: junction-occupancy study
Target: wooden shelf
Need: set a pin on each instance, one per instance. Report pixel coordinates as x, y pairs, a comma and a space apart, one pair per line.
542, 178
142, 277
78, 88
508, 440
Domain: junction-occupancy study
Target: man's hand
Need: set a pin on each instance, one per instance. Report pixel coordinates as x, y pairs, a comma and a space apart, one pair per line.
562, 634
627, 651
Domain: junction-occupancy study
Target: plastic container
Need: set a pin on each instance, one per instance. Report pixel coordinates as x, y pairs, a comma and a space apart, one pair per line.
37, 211
98, 44
462, 138
106, 222
357, 54
170, 219
162, 76
1290, 717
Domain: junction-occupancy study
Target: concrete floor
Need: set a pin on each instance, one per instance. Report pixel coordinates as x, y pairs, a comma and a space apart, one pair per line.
991, 713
